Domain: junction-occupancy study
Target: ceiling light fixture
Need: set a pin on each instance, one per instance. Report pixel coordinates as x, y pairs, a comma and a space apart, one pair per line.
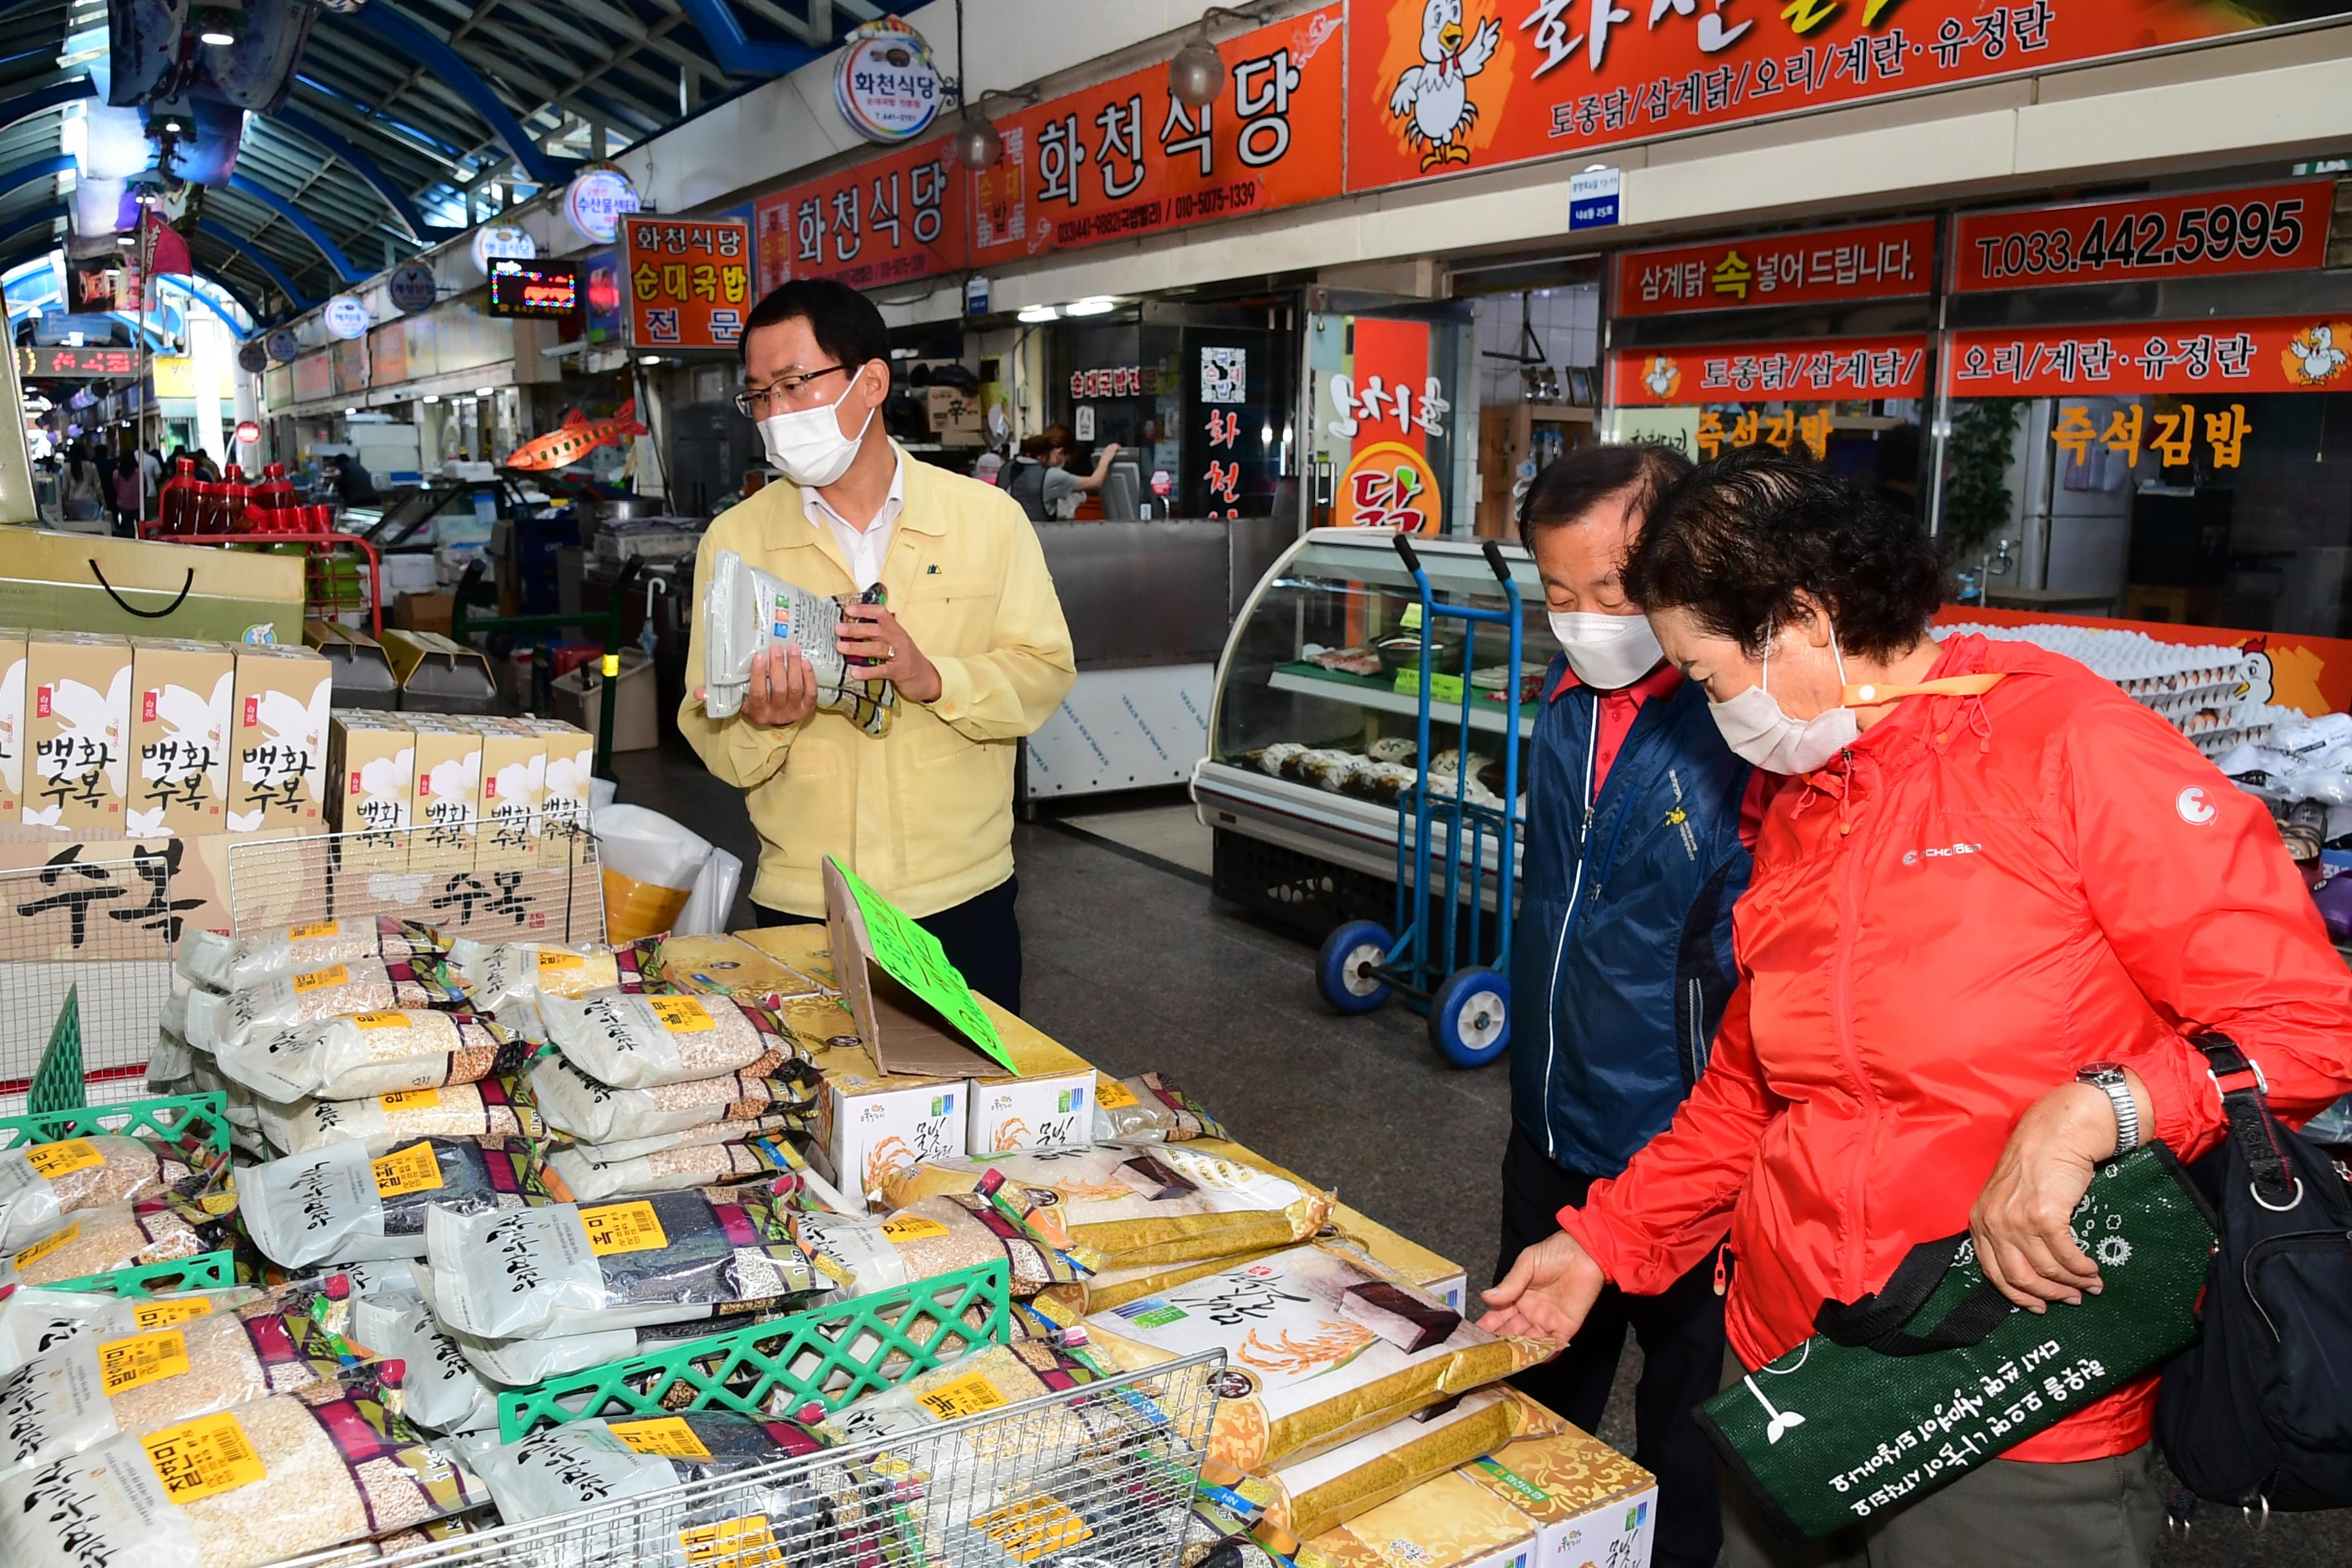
1196, 76
1093, 306
349, 411
1035, 315
216, 25
649, 359
173, 126
977, 144
485, 392
432, 397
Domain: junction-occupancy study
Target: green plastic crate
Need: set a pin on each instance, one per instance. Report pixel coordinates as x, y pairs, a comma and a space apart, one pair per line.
167, 1117
205, 1272
848, 1344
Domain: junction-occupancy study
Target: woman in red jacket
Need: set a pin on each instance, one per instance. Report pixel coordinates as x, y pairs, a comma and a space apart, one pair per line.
1991, 902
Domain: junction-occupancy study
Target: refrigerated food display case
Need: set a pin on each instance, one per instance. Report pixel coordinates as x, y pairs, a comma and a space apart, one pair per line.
1311, 731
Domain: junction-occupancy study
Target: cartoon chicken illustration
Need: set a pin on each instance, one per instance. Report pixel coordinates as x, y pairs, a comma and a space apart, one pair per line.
1663, 377
2317, 354
1434, 98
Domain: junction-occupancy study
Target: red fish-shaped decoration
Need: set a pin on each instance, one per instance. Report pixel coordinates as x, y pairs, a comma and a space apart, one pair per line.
575, 438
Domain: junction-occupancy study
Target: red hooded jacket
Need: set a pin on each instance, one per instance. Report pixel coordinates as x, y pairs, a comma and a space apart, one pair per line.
1980, 897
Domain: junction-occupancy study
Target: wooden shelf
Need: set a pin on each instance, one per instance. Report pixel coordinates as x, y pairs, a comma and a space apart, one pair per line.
1558, 414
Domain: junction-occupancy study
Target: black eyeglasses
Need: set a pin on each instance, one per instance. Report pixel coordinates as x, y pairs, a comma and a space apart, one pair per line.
752, 399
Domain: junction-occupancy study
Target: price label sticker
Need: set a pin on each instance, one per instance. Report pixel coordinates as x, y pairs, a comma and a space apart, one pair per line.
410, 1170
682, 1014
667, 1435
1111, 1094
317, 979
553, 958
55, 1160
43, 1248
966, 1396
314, 930
410, 1100
167, 1310
391, 1019
913, 1228
1033, 1528
141, 1359
745, 1542
623, 1227
202, 1458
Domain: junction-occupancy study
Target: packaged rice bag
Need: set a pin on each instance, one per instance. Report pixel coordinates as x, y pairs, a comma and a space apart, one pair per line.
354, 985
736, 1130
81, 1392
124, 1236
1139, 1205
357, 1055
232, 962
440, 1388
938, 1235
34, 1320
1311, 1495
1100, 1292
1150, 1108
498, 1106
42, 1183
494, 974
517, 1363
1326, 1344
337, 1203
779, 1082
237, 1489
642, 1042
672, 1170
587, 1463
567, 1267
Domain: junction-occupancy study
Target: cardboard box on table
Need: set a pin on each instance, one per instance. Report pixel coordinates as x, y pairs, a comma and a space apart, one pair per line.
77, 731
448, 799
1590, 1503
179, 768
132, 587
372, 787
12, 723
514, 777
363, 676
277, 738
563, 790
1448, 1522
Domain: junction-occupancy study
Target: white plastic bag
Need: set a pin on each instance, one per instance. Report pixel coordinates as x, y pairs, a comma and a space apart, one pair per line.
708, 907
650, 864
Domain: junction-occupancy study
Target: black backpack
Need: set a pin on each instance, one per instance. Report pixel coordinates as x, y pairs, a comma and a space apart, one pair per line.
1025, 479
2258, 1414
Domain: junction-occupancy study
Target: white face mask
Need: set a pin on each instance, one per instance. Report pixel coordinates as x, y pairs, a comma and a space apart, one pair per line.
1758, 728
1606, 651
808, 446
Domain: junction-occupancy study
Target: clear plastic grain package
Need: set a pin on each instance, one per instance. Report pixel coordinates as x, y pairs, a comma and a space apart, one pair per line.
745, 610
336, 1203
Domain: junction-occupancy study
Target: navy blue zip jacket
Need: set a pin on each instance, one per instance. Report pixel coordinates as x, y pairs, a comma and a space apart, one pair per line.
1620, 959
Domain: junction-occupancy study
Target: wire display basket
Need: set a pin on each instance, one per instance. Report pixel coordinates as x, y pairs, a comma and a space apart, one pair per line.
1099, 1476
473, 877
85, 941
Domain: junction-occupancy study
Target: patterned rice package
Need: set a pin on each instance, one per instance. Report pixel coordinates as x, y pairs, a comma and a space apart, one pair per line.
1313, 1494
349, 985
1142, 1205
232, 962
43, 1185
336, 1203
360, 1055
493, 975
632, 1041
780, 1083
936, 1237
1322, 1346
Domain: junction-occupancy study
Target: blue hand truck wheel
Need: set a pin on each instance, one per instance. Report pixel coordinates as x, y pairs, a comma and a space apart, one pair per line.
1470, 1017
1349, 969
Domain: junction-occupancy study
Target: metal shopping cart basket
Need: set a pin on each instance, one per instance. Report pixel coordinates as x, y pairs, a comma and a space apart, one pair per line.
1432, 951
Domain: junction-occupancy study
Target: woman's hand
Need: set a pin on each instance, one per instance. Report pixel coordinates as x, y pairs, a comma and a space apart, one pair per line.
1550, 1288
2022, 1222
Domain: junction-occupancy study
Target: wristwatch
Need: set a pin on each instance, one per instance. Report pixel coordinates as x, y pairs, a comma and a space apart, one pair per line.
2108, 1078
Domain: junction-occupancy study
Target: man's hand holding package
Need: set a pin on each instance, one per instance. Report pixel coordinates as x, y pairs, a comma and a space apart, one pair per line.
871, 634
782, 691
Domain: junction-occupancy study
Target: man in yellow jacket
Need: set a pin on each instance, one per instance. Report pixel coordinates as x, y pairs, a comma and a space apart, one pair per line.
969, 631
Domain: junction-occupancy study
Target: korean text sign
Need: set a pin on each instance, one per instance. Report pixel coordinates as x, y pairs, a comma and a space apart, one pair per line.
1874, 261
881, 221
2206, 358
1125, 158
1826, 369
1515, 79
2267, 229
688, 284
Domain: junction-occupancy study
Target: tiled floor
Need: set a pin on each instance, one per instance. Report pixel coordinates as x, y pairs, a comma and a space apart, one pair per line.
1131, 964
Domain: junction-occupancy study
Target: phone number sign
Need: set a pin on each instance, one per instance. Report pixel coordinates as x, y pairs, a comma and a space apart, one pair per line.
2264, 228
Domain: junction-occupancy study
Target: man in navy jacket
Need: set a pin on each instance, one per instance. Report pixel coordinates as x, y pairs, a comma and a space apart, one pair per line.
1620, 962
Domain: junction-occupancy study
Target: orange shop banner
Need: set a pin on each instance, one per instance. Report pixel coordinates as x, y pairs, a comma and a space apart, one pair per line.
883, 221
1436, 86
688, 283
2264, 228
1873, 261
1124, 158
1822, 370
2278, 353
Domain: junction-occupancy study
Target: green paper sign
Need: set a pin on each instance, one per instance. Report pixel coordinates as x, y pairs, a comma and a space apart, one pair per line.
1444, 687
913, 957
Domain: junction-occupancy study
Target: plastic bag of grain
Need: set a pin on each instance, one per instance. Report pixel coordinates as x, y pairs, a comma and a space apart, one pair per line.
590, 1180
81, 1392
354, 985
231, 963
495, 975
631, 1041
124, 1236
498, 1106
1149, 1108
1313, 1494
34, 1320
1328, 1344
567, 1267
237, 1489
1100, 1292
360, 1054
938, 1235
1139, 1205
585, 1464
42, 1183
738, 1129
337, 1203
781, 1082
440, 1388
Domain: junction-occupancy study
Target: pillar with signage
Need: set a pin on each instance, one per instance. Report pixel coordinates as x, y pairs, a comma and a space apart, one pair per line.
1383, 431
1813, 342
2150, 405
